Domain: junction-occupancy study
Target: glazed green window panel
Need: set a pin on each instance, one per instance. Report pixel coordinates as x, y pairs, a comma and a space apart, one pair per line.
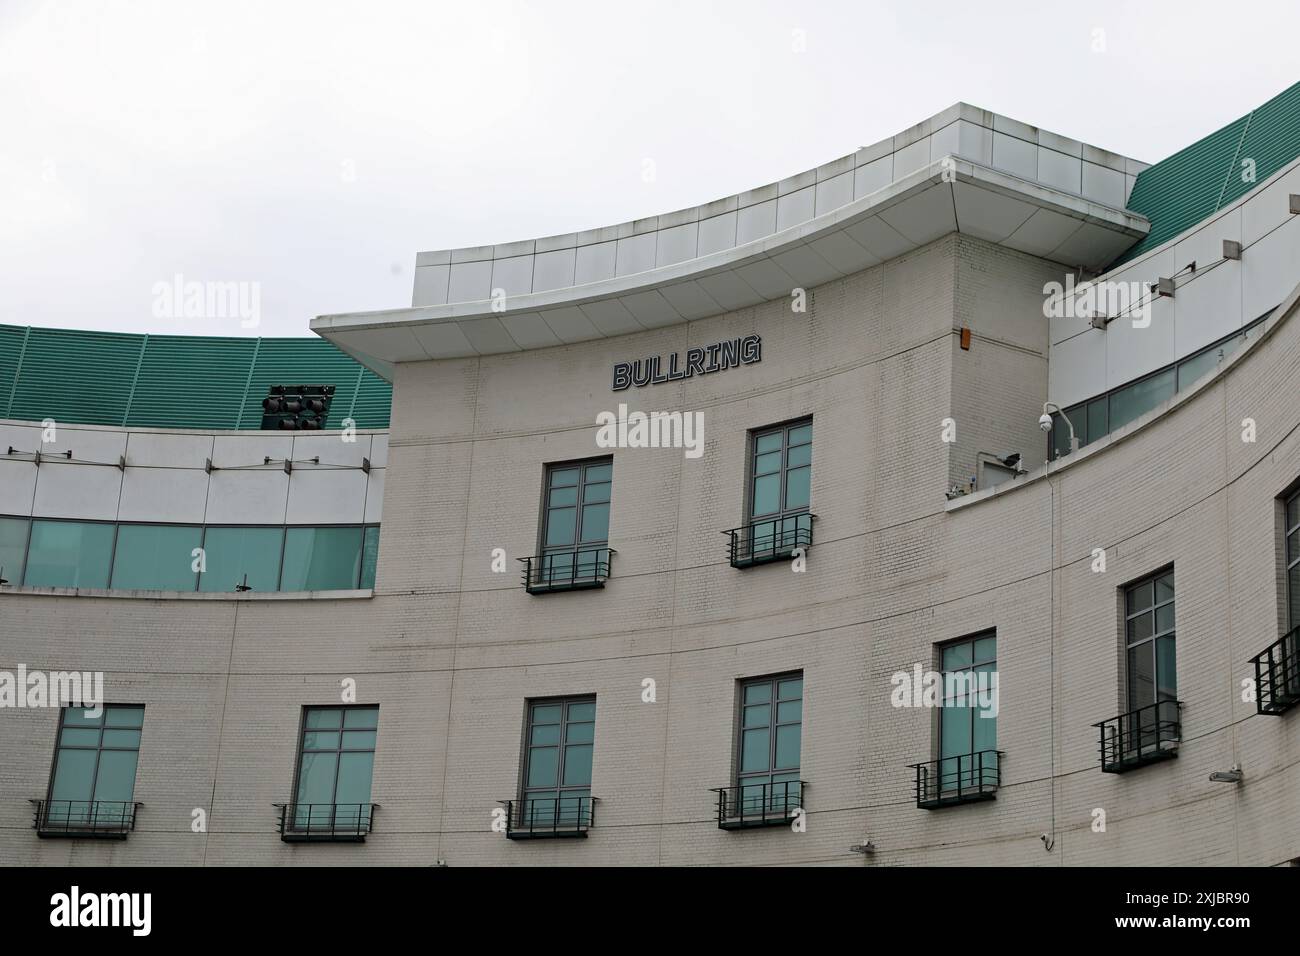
563, 497
69, 554
324, 719
82, 717
546, 735
369, 556
1166, 669
955, 731
799, 456
74, 775
577, 765
564, 477
1140, 397
787, 746
801, 435
767, 464
115, 779
561, 526
316, 777
1141, 684
790, 688
757, 715
790, 711
230, 553
595, 523
122, 738
767, 443
320, 740
1139, 597
123, 717
355, 773
361, 718
358, 740
156, 557
547, 714
798, 488
754, 750
13, 548
1196, 367
1164, 588
321, 559
1293, 519
1293, 592
583, 732
1140, 628
767, 495
597, 473
596, 492
543, 766
1164, 618
583, 711
957, 656
986, 649
1061, 431
758, 693
1098, 419
80, 737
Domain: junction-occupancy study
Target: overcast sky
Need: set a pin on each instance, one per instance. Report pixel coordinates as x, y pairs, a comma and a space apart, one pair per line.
313, 148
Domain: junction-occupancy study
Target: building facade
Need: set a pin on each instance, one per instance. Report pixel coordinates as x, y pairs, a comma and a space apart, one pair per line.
831, 619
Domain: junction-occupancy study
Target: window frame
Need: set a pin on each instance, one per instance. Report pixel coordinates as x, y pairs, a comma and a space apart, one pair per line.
739, 775
784, 428
939, 649
1290, 560
99, 749
1126, 689
557, 793
291, 820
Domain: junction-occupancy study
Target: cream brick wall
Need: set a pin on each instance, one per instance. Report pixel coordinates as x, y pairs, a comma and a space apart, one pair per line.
451, 650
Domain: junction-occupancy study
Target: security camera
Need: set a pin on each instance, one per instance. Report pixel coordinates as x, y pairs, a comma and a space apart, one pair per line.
1045, 422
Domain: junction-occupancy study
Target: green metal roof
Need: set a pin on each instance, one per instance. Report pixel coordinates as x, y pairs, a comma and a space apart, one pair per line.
1195, 182
174, 381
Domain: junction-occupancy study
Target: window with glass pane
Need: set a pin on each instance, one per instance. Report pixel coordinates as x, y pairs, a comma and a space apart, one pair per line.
230, 554
336, 757
69, 554
156, 557
770, 727
1137, 399
321, 559
780, 487
557, 766
968, 724
1151, 662
575, 523
94, 766
369, 556
1293, 561
13, 549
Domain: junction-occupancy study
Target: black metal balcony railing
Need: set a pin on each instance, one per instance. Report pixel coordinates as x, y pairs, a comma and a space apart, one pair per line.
772, 539
541, 817
1146, 735
966, 778
566, 570
758, 804
1277, 675
92, 819
325, 822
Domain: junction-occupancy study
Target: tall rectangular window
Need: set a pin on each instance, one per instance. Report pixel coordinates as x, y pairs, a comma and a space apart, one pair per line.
235, 557
69, 554
559, 740
1293, 561
575, 520
968, 725
336, 757
768, 743
156, 557
13, 549
321, 559
780, 486
1151, 664
93, 783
